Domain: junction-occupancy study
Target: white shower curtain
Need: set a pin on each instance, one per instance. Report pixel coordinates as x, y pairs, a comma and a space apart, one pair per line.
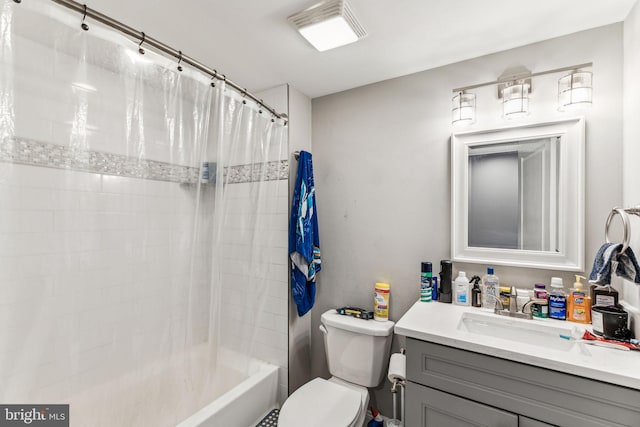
131, 287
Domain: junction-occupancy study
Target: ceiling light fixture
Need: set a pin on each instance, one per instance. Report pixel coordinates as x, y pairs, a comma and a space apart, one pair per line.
575, 90
328, 25
463, 108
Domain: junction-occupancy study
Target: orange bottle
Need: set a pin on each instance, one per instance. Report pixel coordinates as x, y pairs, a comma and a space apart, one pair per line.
579, 303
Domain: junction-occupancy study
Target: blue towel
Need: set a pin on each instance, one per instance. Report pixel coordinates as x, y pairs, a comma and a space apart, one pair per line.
304, 240
609, 260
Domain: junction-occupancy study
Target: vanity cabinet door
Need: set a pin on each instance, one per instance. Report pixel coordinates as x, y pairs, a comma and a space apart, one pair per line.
528, 422
427, 407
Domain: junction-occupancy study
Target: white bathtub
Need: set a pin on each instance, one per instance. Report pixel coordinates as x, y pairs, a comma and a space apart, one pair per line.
229, 398
245, 404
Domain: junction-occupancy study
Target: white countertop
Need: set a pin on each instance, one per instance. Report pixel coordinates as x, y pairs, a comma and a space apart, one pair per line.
438, 323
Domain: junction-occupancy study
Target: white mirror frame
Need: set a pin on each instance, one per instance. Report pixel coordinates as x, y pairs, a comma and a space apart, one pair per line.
571, 201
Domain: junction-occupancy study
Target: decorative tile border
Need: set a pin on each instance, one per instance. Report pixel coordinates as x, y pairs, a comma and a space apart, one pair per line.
272, 171
36, 153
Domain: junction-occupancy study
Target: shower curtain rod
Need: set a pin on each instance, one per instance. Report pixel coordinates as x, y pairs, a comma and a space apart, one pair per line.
144, 39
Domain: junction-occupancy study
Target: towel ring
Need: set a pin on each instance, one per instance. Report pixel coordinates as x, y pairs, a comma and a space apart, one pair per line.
625, 223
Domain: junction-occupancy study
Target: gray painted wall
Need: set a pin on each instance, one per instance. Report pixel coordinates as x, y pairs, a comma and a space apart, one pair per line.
381, 156
631, 147
299, 327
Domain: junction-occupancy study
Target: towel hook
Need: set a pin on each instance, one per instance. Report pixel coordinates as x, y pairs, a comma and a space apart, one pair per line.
625, 223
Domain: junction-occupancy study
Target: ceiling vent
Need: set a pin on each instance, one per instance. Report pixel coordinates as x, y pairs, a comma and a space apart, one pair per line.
328, 25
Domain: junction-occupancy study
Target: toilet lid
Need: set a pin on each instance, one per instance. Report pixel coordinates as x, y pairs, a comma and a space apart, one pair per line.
320, 403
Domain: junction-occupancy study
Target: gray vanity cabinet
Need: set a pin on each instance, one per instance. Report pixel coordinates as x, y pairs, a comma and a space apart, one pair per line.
429, 407
447, 386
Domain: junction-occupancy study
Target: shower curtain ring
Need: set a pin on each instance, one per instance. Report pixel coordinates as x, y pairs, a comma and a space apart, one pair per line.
244, 93
140, 49
213, 78
84, 25
260, 108
17, 1
179, 60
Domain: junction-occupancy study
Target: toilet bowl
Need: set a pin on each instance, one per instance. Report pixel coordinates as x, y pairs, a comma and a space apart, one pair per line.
357, 354
324, 403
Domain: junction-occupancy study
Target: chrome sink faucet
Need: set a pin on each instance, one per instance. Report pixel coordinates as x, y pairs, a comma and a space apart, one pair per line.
513, 306
513, 300
498, 306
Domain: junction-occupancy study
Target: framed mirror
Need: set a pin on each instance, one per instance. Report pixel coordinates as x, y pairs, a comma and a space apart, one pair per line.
517, 196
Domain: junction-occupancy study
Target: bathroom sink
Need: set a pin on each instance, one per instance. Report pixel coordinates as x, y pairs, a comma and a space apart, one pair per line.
523, 331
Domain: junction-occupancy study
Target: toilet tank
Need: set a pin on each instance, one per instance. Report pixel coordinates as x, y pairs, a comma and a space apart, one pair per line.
357, 350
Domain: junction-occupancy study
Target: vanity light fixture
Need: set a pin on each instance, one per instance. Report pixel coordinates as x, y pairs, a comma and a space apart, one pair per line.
515, 99
463, 108
514, 86
328, 24
575, 90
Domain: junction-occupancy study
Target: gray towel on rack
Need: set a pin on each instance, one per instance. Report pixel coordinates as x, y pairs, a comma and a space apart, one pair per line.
609, 259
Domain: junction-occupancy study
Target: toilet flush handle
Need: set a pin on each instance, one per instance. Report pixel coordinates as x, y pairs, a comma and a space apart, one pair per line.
323, 329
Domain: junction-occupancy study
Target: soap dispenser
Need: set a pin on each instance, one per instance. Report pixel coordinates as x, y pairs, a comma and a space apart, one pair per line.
579, 303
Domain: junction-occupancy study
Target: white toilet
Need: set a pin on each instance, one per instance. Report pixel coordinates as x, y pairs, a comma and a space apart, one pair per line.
357, 354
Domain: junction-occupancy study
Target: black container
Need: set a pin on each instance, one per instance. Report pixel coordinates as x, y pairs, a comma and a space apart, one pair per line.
610, 322
446, 273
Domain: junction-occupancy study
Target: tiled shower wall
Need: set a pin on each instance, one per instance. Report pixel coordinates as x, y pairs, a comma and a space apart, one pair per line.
91, 254
242, 305
97, 252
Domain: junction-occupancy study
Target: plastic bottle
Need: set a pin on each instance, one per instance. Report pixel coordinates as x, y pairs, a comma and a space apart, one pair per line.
475, 293
476, 296
540, 291
540, 309
462, 289
434, 288
523, 296
377, 420
557, 300
579, 303
205, 177
490, 286
505, 295
426, 293
381, 302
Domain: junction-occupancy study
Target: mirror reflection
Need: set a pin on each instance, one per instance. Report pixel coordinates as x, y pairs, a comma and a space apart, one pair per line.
513, 195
